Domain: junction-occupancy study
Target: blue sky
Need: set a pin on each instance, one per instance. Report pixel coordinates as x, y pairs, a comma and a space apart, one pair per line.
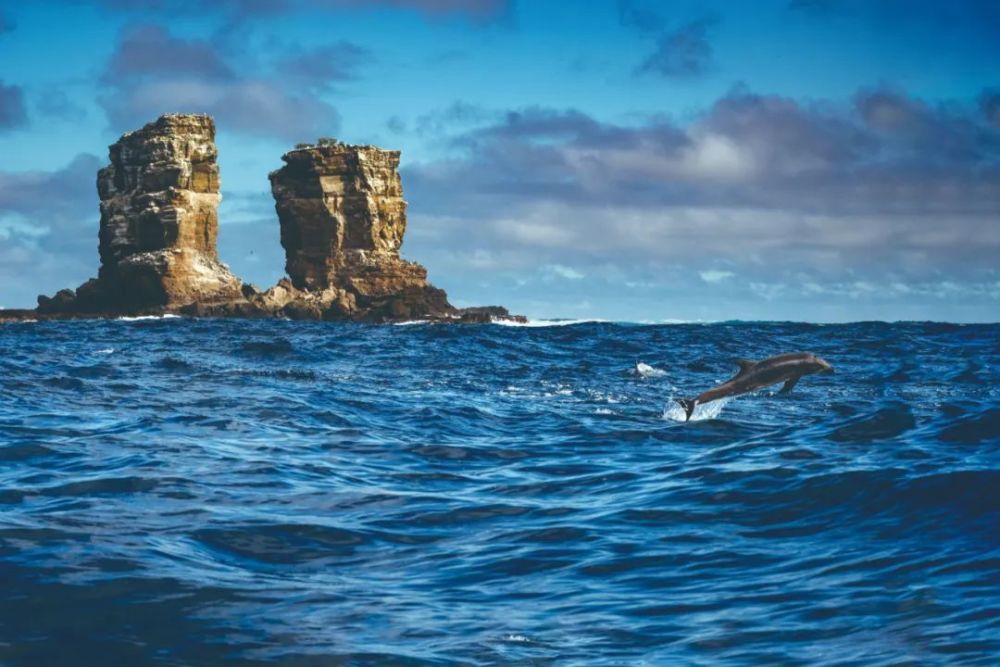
644, 160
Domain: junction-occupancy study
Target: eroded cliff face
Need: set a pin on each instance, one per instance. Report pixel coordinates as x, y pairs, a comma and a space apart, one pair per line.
338, 206
343, 218
159, 222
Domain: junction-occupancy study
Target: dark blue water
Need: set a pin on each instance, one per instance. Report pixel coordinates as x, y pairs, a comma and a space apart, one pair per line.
180, 492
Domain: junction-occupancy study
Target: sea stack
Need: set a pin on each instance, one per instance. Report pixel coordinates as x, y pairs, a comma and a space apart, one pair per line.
159, 223
343, 218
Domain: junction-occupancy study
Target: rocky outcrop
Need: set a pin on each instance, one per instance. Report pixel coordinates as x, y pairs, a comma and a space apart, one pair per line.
159, 222
342, 217
338, 205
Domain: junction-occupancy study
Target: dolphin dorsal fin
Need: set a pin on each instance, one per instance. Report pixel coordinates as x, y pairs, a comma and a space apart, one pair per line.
745, 366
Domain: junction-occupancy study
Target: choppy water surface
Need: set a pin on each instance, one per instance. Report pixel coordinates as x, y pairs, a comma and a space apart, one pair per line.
185, 492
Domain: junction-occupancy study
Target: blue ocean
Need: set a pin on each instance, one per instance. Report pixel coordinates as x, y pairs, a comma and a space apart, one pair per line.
204, 492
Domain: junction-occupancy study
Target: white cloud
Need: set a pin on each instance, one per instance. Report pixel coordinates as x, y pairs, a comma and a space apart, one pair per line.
539, 233
715, 276
713, 157
768, 291
562, 271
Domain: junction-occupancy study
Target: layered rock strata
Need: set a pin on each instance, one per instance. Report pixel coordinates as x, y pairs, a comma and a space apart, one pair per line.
159, 223
342, 217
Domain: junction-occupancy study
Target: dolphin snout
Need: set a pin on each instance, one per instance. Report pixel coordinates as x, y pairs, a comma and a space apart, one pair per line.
825, 367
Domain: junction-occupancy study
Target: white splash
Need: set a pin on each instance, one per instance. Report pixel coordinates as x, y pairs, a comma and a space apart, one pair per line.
139, 318
545, 323
107, 350
674, 412
647, 371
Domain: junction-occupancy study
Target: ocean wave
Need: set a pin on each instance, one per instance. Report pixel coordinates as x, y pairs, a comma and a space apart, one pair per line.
547, 323
144, 318
311, 492
702, 411
647, 371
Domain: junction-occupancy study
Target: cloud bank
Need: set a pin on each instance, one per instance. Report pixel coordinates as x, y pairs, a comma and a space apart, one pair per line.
476, 10
48, 229
879, 190
681, 52
139, 84
13, 113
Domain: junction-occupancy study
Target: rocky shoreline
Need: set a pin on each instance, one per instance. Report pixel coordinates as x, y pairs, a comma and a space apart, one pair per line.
342, 217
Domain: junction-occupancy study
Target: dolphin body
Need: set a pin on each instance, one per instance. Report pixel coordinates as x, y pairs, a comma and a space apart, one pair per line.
787, 368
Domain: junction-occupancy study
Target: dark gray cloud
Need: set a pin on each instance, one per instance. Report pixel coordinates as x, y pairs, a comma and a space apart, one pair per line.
150, 52
924, 133
54, 103
989, 102
396, 125
479, 10
476, 10
640, 17
140, 85
682, 53
679, 52
834, 193
277, 91
321, 67
253, 107
536, 124
55, 195
451, 119
48, 229
13, 113
742, 141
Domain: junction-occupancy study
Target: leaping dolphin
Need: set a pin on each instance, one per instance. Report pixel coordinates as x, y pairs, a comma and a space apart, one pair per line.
787, 368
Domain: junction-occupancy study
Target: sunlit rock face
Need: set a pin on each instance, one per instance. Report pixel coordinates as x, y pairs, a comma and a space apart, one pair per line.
343, 218
159, 214
159, 222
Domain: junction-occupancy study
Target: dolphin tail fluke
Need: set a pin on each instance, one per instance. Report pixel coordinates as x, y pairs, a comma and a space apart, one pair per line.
688, 405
